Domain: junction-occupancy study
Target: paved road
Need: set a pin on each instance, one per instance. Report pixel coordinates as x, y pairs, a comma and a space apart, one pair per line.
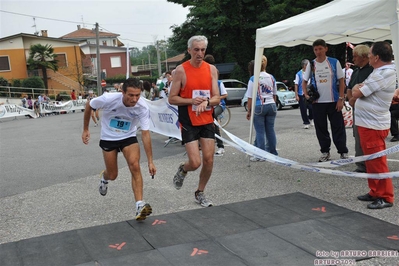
49, 178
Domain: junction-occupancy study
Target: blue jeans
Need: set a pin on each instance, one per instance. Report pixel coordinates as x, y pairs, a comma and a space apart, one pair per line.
264, 117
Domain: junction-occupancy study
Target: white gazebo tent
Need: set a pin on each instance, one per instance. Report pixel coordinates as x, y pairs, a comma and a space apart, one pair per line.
339, 21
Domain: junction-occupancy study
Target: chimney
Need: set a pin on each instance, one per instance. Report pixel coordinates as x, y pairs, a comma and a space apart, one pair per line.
44, 33
78, 27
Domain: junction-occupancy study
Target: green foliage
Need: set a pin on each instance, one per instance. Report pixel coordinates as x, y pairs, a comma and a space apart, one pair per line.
3, 82
42, 57
16, 83
230, 26
33, 82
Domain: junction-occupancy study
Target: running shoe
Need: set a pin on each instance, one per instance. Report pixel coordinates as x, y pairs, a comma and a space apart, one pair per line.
344, 155
202, 200
179, 177
142, 211
219, 152
103, 187
324, 157
306, 126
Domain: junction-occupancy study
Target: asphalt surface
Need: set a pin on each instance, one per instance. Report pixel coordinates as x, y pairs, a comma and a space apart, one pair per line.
49, 178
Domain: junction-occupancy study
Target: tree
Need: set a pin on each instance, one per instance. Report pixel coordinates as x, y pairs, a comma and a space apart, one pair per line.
230, 26
42, 57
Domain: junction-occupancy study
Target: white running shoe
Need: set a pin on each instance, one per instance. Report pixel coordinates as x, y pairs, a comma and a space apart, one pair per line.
103, 187
219, 152
200, 199
306, 126
142, 211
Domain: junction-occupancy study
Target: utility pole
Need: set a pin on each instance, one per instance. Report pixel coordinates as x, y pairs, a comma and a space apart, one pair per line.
158, 60
99, 78
149, 62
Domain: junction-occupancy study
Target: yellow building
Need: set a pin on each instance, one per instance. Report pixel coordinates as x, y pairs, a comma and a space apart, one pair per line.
14, 53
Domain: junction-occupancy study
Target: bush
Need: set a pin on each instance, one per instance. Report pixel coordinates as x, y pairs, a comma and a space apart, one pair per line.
3, 82
33, 82
16, 83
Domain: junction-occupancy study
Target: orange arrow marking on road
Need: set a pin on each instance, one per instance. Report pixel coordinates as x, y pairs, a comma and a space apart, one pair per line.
394, 237
158, 222
322, 209
118, 246
197, 251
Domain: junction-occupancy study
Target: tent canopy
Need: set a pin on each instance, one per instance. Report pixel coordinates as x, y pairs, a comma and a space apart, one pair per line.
339, 21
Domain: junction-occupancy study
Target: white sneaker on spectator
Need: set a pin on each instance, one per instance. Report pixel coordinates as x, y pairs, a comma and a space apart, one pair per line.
219, 152
306, 126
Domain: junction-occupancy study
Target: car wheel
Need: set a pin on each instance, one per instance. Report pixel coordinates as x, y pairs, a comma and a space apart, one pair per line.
245, 106
295, 106
279, 106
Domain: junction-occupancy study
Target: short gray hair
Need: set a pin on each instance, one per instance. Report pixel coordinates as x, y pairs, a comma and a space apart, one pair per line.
197, 38
304, 62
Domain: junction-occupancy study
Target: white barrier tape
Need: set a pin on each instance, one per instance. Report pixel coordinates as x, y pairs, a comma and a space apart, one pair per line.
254, 151
342, 162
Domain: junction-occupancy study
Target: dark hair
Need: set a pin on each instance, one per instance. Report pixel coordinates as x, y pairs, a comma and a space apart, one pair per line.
383, 50
132, 82
209, 59
319, 42
147, 85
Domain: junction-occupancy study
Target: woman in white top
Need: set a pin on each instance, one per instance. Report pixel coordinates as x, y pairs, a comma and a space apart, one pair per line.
265, 110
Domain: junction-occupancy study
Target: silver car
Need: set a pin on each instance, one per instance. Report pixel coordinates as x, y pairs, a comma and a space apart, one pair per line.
285, 97
235, 89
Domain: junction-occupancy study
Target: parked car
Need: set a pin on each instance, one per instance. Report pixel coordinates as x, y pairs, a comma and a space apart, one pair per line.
285, 97
235, 89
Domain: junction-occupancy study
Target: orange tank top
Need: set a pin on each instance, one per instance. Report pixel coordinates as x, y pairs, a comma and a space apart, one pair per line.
198, 84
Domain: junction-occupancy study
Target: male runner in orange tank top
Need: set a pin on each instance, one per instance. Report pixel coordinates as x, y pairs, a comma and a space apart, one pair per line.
195, 90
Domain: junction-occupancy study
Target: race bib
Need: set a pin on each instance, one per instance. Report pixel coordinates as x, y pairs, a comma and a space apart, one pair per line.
119, 125
204, 94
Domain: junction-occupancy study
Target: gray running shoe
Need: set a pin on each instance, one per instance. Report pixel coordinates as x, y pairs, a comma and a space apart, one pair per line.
200, 199
179, 177
344, 155
103, 187
143, 211
324, 157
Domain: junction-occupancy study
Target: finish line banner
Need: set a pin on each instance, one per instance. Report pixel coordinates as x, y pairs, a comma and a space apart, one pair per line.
164, 118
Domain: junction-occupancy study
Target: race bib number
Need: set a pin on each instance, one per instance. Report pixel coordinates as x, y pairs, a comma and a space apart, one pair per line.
119, 125
206, 94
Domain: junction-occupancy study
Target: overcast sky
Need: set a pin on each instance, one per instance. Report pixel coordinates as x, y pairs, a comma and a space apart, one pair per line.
139, 23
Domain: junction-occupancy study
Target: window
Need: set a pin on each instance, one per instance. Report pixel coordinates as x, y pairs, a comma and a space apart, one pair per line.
5, 63
115, 61
61, 60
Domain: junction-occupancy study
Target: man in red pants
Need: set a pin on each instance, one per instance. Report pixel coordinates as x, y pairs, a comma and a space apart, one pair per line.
372, 118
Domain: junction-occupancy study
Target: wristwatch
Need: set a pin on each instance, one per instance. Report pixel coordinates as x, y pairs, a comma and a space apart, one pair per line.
341, 98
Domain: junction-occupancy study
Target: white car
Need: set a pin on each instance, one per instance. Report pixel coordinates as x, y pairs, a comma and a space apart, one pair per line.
285, 97
235, 89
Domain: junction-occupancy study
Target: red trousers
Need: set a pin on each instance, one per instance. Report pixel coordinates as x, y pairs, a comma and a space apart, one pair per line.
373, 141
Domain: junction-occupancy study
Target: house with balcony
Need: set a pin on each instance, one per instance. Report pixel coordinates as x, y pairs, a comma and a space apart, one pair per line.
14, 54
114, 58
